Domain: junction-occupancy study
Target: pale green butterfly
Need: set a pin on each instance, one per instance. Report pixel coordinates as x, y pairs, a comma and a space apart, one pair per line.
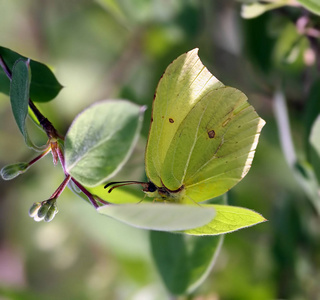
202, 137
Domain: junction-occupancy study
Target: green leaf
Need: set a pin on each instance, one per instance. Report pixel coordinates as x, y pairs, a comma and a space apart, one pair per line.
159, 216
44, 86
12, 171
312, 112
288, 53
315, 135
312, 5
183, 261
228, 218
19, 93
253, 10
312, 108
101, 139
19, 98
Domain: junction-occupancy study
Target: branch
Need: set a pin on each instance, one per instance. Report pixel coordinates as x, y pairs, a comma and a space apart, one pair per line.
47, 126
5, 68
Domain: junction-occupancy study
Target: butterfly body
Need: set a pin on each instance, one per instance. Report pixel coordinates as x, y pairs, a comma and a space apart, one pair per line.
163, 194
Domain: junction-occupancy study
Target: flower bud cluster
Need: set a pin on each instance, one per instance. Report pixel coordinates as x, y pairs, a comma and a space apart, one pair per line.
45, 210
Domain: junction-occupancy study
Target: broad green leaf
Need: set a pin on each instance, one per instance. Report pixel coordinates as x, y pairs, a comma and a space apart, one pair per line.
159, 216
254, 10
312, 110
309, 177
228, 218
19, 98
101, 139
312, 5
44, 86
19, 93
314, 160
315, 135
183, 261
12, 171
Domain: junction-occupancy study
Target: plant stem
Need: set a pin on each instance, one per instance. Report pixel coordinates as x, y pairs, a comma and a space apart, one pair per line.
61, 187
61, 158
44, 122
87, 193
5, 68
47, 150
307, 181
281, 115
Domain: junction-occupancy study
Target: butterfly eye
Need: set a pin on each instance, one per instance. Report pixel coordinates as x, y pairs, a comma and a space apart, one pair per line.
151, 187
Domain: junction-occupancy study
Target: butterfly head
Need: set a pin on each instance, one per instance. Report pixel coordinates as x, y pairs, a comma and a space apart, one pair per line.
152, 191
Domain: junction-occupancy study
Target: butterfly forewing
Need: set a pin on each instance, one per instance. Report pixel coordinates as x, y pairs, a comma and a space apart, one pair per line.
214, 145
183, 84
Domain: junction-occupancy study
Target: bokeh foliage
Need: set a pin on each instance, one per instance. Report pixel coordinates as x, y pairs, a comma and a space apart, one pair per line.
119, 49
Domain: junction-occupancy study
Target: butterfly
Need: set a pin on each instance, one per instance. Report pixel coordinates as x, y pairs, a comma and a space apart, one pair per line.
202, 137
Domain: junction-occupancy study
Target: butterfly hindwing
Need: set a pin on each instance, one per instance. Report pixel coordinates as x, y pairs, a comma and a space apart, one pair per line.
213, 148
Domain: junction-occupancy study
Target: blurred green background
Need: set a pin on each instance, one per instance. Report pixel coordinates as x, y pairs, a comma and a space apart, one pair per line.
119, 49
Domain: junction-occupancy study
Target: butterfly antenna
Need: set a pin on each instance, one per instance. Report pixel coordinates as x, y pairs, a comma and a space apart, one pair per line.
117, 184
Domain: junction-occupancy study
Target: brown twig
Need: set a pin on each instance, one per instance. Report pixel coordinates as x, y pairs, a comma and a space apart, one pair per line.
45, 123
5, 68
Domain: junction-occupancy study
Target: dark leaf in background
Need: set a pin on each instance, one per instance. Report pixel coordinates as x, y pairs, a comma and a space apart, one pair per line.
43, 87
183, 261
258, 42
